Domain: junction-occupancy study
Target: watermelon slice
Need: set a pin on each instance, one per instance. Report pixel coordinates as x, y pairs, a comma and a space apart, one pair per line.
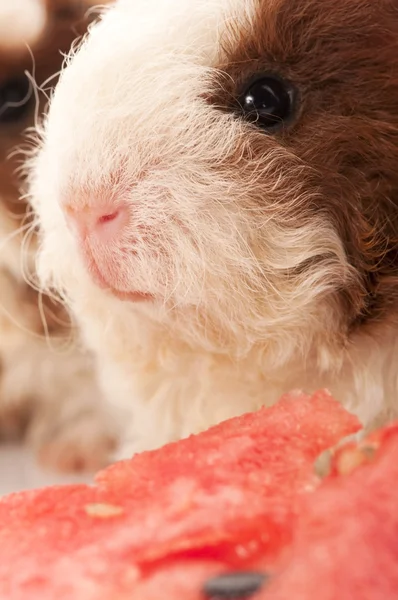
346, 543
160, 525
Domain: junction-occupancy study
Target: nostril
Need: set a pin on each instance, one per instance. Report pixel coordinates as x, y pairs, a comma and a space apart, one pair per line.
109, 217
102, 223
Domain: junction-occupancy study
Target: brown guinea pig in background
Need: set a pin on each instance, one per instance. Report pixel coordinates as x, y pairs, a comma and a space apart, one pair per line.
216, 184
47, 387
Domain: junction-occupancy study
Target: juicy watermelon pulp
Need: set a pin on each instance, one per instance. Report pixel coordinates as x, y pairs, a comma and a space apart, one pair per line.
345, 545
240, 496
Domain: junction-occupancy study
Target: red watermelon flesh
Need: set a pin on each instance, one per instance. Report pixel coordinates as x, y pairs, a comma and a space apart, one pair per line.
346, 543
158, 525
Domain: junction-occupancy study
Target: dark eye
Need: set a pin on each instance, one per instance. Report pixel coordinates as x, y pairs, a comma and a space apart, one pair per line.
15, 97
268, 102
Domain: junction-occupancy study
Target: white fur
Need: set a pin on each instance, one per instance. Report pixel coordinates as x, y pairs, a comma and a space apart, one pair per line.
228, 330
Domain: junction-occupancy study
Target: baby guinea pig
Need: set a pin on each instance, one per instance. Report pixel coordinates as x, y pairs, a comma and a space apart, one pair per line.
47, 383
216, 185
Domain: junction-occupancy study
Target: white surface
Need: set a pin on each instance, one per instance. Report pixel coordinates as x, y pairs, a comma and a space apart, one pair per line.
18, 471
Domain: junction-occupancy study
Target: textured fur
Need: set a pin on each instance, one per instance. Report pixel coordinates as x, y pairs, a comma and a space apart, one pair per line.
47, 381
263, 262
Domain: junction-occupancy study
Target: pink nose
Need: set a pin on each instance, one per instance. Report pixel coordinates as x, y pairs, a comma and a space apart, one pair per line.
104, 223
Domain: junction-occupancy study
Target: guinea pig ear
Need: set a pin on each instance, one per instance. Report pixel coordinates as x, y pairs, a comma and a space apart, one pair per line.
21, 22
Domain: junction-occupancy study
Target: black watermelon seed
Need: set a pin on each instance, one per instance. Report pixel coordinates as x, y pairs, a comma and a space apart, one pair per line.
236, 586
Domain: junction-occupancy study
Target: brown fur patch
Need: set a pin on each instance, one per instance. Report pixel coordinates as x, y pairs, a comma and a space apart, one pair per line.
342, 56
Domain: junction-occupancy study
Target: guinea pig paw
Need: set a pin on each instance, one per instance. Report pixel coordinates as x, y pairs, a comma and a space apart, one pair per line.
82, 444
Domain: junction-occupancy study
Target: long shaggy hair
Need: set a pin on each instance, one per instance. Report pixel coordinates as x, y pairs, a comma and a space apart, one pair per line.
251, 261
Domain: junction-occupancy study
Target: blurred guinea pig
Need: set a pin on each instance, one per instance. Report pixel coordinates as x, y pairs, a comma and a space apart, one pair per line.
216, 185
47, 383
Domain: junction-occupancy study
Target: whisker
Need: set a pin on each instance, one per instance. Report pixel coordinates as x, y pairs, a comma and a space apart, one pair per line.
11, 318
12, 235
68, 341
